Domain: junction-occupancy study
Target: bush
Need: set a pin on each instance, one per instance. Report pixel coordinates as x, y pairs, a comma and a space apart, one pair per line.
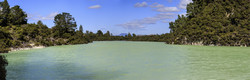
4, 50
37, 44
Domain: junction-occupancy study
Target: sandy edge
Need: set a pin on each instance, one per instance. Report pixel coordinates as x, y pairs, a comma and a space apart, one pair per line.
27, 48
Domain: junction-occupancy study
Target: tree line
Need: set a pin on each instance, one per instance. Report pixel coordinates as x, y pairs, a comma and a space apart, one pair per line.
208, 22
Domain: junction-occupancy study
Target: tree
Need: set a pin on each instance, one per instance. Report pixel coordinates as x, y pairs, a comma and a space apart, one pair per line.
99, 33
81, 29
129, 35
4, 41
31, 31
4, 13
134, 35
107, 34
213, 22
3, 64
17, 35
43, 29
65, 25
17, 16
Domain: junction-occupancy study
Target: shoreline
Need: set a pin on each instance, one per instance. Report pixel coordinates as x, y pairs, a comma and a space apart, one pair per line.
40, 47
25, 48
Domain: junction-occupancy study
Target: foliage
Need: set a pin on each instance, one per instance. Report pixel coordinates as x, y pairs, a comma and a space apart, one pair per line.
16, 33
99, 33
4, 13
213, 22
4, 41
81, 29
17, 16
65, 25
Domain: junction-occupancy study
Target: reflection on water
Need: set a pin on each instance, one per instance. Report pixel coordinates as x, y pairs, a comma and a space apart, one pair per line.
3, 63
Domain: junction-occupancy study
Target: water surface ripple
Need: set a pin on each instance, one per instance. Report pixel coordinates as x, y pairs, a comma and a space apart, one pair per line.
124, 60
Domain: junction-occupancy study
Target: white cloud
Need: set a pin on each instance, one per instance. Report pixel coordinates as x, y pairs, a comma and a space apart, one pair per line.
166, 14
161, 8
49, 17
183, 14
95, 7
156, 5
38, 17
164, 21
143, 4
30, 16
167, 9
183, 3
137, 24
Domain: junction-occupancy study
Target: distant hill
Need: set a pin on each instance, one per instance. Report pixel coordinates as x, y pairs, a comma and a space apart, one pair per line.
123, 34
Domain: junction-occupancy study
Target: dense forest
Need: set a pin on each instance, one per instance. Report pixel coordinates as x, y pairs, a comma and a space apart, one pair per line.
213, 22
207, 22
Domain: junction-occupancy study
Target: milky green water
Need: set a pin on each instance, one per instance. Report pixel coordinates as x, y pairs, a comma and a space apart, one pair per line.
122, 60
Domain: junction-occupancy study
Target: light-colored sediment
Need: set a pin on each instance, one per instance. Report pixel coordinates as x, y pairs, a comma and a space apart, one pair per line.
26, 48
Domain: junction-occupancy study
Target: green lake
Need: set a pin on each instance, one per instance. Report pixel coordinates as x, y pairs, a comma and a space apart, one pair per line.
125, 60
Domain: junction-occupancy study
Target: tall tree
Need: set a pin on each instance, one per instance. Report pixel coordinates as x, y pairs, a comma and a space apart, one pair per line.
81, 29
65, 25
99, 33
129, 35
17, 16
107, 34
4, 13
43, 29
134, 35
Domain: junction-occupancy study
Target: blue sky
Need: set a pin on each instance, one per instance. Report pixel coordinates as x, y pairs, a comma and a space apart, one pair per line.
118, 16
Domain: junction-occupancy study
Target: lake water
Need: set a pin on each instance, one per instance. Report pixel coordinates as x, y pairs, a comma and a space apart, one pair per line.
124, 60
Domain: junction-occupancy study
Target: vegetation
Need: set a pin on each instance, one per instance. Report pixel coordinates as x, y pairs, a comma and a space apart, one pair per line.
3, 71
208, 22
213, 22
15, 32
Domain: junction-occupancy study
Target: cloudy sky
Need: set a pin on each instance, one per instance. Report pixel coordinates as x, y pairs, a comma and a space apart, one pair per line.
117, 16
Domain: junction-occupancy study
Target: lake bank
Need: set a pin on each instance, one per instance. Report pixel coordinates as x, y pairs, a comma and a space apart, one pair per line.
40, 47
26, 48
